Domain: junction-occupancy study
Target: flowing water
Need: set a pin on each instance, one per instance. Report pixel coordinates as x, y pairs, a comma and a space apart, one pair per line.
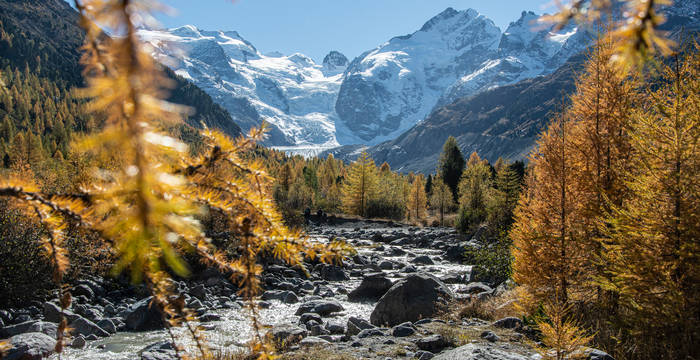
234, 330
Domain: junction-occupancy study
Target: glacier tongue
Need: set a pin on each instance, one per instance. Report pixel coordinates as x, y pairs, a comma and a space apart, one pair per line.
376, 97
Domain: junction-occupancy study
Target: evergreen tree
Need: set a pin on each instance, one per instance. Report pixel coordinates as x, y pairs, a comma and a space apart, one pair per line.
429, 184
359, 185
451, 165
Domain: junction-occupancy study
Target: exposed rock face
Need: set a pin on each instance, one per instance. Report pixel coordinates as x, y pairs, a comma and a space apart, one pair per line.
334, 63
389, 89
413, 298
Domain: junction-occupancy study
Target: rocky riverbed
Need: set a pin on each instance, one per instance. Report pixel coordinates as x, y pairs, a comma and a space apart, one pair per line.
381, 304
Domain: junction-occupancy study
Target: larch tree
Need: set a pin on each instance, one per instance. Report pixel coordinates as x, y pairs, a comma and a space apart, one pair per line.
417, 201
473, 188
654, 254
547, 246
600, 144
451, 165
359, 186
441, 198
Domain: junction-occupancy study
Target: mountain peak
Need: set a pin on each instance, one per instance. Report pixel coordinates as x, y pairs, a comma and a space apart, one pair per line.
186, 31
448, 13
335, 59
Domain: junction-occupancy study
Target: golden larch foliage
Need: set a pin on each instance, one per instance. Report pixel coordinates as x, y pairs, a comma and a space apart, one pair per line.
441, 198
417, 200
654, 256
360, 185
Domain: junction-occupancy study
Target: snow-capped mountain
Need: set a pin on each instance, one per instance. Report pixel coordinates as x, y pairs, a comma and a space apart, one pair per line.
378, 95
455, 54
292, 93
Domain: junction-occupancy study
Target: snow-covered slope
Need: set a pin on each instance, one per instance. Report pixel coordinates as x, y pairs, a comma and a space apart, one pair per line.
292, 93
377, 96
455, 54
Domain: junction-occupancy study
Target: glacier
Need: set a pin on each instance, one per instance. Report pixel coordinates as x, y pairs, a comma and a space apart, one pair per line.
376, 97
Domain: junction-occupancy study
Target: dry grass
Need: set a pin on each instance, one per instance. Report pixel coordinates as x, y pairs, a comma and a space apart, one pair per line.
456, 335
492, 309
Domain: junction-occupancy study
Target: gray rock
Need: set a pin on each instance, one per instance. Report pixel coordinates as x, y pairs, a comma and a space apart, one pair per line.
409, 269
475, 288
83, 290
403, 330
78, 342
306, 317
209, 317
335, 328
386, 265
372, 287
355, 325
290, 298
142, 316
159, 351
30, 346
107, 325
370, 332
432, 343
52, 313
273, 295
452, 278
313, 341
321, 307
411, 299
199, 291
424, 355
508, 323
423, 260
484, 352
288, 334
490, 336
332, 273
86, 328
31, 326
317, 330
595, 354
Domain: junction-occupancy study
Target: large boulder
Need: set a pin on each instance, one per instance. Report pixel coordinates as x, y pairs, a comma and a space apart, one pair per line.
372, 287
417, 296
30, 346
144, 316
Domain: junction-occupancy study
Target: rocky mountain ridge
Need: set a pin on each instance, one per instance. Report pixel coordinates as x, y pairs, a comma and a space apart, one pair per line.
379, 94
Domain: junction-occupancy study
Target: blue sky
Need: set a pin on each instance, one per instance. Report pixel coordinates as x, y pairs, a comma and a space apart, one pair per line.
314, 27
